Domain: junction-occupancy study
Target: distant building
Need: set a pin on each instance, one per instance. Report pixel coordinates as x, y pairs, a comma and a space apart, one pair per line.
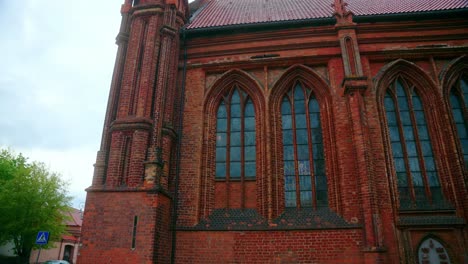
284, 131
67, 248
7, 250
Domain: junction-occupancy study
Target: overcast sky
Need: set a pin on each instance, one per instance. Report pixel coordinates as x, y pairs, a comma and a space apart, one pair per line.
56, 65
57, 59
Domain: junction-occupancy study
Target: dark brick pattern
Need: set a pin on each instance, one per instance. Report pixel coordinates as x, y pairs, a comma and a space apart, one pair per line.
290, 219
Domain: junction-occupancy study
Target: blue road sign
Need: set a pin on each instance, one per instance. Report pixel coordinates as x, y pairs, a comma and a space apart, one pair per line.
42, 238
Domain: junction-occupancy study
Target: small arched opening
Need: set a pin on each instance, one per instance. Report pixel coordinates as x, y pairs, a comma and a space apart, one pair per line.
431, 251
68, 253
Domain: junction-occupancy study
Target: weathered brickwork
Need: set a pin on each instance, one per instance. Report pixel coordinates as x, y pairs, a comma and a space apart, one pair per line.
112, 216
271, 247
157, 157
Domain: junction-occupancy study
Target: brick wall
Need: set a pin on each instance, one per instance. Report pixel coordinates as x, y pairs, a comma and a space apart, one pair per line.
111, 216
361, 185
324, 246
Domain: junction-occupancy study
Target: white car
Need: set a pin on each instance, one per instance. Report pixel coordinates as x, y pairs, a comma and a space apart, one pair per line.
56, 262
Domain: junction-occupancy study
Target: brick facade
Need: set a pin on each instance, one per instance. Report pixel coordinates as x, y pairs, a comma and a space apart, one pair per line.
157, 157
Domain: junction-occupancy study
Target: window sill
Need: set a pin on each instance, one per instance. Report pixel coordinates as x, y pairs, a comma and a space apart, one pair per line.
235, 180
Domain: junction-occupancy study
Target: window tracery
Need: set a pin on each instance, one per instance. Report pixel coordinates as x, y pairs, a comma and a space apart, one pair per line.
458, 99
411, 148
305, 182
235, 137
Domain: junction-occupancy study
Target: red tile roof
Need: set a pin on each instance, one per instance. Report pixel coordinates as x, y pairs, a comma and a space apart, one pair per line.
378, 7
75, 218
219, 13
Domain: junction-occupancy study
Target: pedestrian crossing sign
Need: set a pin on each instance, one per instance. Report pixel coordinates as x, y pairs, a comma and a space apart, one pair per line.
42, 238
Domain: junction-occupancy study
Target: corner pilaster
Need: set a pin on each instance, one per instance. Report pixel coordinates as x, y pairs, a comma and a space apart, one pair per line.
100, 167
354, 87
131, 184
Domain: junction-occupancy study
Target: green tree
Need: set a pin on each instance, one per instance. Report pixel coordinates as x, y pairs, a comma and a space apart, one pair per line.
32, 199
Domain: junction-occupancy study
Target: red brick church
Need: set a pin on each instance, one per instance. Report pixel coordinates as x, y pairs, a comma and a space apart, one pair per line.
284, 131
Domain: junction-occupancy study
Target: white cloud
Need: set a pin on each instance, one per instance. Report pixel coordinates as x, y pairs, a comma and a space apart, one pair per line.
57, 63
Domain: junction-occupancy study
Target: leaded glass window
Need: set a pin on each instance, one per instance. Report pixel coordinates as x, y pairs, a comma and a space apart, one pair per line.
235, 137
305, 181
415, 168
459, 105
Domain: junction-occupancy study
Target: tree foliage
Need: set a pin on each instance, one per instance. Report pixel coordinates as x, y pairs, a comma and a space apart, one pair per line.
32, 199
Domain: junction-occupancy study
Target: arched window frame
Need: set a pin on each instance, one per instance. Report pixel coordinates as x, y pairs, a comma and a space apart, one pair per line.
430, 97
410, 99
446, 249
460, 123
224, 146
450, 79
320, 88
307, 173
217, 92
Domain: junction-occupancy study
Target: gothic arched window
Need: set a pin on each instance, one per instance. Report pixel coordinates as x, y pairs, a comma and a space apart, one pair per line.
459, 106
235, 137
305, 182
415, 168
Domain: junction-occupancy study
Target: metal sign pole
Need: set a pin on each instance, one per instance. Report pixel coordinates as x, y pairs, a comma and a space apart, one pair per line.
38, 254
41, 239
